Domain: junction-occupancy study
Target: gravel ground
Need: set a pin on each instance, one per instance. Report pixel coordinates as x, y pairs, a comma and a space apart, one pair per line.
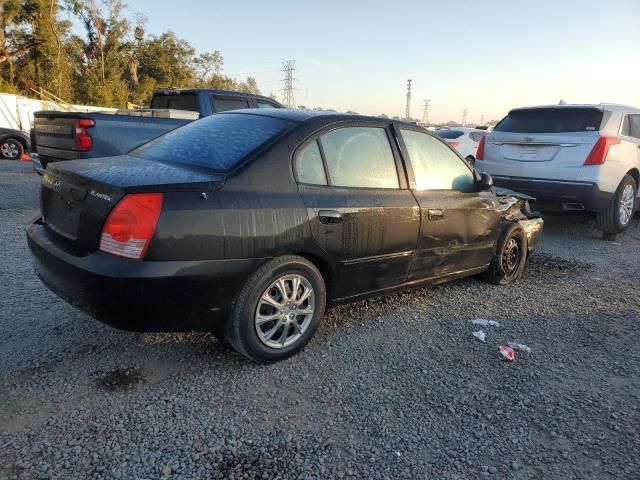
390, 388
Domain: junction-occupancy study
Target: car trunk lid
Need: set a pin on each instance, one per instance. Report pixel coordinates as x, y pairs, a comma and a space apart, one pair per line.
76, 197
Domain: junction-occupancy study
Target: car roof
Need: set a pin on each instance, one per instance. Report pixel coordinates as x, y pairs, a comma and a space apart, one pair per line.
611, 107
300, 116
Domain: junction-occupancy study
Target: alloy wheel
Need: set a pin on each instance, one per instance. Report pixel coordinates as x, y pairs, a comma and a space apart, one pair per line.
627, 202
285, 310
9, 150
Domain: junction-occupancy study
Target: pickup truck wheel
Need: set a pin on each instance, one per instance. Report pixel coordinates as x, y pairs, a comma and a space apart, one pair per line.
511, 255
278, 310
617, 217
11, 149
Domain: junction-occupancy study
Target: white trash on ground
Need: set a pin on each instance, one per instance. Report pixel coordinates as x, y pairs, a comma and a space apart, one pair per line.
480, 335
485, 323
520, 347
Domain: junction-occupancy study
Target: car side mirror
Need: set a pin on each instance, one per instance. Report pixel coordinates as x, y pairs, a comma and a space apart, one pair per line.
486, 182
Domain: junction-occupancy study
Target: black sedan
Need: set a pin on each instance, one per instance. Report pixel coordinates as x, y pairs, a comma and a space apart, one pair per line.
251, 223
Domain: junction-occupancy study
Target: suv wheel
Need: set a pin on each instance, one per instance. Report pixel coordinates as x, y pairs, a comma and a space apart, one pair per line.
278, 310
11, 149
508, 264
617, 217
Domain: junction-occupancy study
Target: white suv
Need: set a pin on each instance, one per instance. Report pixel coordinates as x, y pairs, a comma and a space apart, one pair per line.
570, 157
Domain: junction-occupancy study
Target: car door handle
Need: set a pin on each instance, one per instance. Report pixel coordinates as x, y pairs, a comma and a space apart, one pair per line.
330, 216
436, 214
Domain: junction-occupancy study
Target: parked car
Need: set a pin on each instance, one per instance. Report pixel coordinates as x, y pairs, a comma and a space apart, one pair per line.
13, 143
464, 140
250, 223
60, 136
571, 158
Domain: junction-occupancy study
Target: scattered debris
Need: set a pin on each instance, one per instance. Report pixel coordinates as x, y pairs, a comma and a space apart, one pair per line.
480, 335
507, 352
484, 323
519, 347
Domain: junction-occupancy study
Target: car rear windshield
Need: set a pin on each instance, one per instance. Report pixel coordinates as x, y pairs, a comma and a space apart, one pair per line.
218, 141
449, 134
184, 101
551, 120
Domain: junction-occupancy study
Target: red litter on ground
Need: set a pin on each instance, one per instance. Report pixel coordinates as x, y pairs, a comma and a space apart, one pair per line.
507, 352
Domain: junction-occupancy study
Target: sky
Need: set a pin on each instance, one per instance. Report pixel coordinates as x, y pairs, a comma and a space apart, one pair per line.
487, 56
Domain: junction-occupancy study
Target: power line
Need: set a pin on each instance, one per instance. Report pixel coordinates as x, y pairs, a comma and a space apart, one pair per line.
408, 112
425, 112
288, 67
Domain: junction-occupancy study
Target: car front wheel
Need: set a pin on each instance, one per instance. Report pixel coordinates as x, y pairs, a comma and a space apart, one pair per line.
511, 255
278, 310
617, 217
11, 149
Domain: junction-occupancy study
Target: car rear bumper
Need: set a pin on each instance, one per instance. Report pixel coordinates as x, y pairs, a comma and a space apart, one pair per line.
140, 296
558, 195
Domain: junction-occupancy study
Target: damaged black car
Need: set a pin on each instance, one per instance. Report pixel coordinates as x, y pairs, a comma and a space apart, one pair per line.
251, 223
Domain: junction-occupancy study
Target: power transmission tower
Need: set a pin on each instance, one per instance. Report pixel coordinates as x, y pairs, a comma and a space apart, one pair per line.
464, 116
482, 119
425, 113
288, 67
408, 99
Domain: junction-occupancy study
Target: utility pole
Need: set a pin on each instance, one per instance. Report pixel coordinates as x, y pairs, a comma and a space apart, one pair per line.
464, 116
288, 67
425, 113
482, 119
408, 112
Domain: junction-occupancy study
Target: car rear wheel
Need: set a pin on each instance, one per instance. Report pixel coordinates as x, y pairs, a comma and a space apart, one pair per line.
11, 149
617, 217
508, 264
471, 160
278, 310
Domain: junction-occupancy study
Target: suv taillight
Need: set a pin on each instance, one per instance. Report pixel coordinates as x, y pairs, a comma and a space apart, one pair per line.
131, 225
83, 140
480, 151
600, 150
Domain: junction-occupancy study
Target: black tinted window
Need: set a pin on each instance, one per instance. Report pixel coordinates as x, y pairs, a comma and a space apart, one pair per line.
449, 134
216, 141
263, 104
176, 102
435, 166
551, 120
309, 167
225, 104
360, 157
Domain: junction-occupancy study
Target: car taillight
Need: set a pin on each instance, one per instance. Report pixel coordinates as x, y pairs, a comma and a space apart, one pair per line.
454, 144
83, 140
130, 225
600, 150
480, 151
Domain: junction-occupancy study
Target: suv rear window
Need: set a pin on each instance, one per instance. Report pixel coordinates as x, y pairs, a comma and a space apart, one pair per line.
185, 101
551, 120
217, 141
449, 134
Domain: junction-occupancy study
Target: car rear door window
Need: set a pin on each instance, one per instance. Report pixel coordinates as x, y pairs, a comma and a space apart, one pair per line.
308, 165
216, 141
551, 120
631, 126
224, 104
435, 166
476, 136
360, 157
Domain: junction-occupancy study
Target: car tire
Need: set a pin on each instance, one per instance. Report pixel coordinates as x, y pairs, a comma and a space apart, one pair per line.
618, 215
471, 160
11, 149
511, 255
250, 332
